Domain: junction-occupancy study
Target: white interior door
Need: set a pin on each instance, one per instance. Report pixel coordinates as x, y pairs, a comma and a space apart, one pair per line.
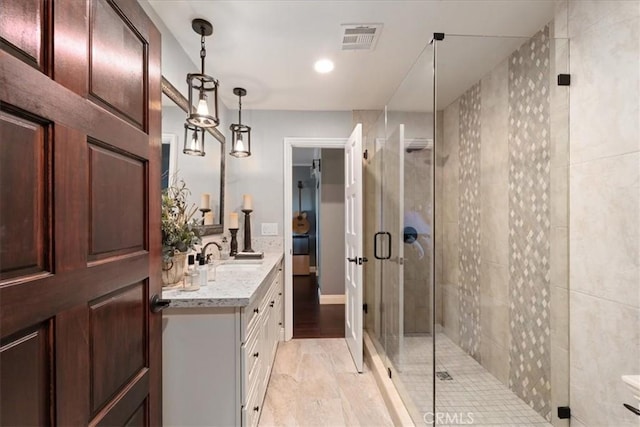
353, 245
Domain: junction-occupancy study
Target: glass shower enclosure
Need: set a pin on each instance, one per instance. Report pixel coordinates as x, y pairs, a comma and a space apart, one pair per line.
466, 194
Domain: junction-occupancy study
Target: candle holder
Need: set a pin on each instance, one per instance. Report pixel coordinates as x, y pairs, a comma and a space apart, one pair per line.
234, 241
247, 230
204, 211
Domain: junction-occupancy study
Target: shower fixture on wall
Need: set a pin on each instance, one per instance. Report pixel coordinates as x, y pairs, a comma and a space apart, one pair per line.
240, 134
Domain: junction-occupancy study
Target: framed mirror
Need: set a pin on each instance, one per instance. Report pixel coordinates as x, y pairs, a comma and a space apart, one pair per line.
202, 175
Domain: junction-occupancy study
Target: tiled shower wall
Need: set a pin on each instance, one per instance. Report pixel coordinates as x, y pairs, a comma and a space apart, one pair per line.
417, 268
496, 207
604, 209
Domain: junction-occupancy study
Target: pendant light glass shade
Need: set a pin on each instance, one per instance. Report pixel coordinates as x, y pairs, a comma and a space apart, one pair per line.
203, 89
193, 140
240, 140
240, 134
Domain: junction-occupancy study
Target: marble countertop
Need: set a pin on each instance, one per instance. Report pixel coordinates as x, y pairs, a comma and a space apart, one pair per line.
232, 288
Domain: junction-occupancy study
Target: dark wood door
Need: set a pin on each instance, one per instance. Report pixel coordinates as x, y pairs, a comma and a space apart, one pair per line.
79, 213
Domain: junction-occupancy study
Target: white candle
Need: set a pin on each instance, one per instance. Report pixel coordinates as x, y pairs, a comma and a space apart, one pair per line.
247, 202
208, 218
205, 201
233, 220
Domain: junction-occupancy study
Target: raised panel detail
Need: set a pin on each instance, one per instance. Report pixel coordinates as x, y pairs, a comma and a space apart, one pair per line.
25, 380
118, 344
23, 174
21, 29
117, 69
138, 418
117, 203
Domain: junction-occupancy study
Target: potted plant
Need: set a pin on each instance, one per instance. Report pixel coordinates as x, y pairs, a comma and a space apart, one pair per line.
179, 231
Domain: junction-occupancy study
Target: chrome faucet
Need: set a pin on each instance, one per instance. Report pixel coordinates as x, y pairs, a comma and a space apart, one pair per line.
203, 252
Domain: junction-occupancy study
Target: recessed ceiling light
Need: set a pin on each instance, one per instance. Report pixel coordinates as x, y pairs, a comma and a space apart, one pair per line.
323, 66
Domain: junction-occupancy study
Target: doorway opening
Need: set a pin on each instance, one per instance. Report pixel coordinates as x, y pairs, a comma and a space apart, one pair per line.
317, 223
291, 191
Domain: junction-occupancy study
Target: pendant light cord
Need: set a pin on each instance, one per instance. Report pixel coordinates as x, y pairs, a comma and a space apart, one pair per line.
240, 109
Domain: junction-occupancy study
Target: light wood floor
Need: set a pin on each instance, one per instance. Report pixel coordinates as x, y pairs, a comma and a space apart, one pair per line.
314, 383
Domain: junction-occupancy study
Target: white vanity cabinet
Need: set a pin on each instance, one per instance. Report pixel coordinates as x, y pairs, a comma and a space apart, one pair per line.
217, 360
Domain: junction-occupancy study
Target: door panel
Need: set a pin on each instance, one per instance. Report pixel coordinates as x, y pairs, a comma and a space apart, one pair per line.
22, 26
353, 245
393, 222
116, 217
25, 379
118, 346
120, 88
77, 206
23, 227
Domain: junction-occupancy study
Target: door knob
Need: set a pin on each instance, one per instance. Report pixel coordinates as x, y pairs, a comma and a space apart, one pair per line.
355, 259
157, 304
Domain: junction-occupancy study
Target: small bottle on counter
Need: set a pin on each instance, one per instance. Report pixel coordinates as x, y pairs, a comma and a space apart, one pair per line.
202, 271
211, 269
191, 276
224, 253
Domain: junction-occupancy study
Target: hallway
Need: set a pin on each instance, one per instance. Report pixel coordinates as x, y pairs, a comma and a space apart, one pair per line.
314, 383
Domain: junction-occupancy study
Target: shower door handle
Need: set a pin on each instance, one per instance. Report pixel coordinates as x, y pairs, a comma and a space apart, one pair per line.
376, 246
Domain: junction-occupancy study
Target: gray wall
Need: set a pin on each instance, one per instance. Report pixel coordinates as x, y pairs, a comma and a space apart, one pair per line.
262, 174
332, 256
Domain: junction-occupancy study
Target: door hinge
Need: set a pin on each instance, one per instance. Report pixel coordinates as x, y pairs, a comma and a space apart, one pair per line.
389, 371
365, 308
564, 79
366, 154
564, 412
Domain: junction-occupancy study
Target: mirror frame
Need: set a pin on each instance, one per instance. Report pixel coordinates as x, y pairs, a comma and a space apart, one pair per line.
182, 102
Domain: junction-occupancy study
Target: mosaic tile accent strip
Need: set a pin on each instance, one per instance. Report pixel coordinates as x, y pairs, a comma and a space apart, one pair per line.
529, 223
469, 223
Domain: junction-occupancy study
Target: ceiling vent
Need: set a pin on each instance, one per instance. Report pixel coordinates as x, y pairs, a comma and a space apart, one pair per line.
360, 36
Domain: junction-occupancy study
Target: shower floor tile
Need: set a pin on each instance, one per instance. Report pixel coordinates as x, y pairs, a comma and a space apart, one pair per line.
472, 393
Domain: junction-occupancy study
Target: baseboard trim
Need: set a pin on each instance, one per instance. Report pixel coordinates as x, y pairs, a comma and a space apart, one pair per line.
398, 411
331, 299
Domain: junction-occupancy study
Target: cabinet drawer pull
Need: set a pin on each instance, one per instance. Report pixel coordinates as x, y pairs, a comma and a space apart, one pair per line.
256, 354
272, 303
280, 293
279, 323
256, 408
256, 310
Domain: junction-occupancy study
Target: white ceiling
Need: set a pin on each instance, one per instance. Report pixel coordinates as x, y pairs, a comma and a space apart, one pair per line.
269, 47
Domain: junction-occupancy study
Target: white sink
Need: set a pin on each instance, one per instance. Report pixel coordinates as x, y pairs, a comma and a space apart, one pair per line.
633, 382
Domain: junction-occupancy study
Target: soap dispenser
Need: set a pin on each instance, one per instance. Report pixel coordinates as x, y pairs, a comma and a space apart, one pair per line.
224, 253
211, 269
203, 271
191, 276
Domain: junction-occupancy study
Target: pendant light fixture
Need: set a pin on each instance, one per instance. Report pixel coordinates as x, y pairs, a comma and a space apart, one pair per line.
240, 134
193, 140
201, 86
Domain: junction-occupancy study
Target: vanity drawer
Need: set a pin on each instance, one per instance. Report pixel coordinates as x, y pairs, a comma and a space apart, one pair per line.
251, 354
257, 307
253, 408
